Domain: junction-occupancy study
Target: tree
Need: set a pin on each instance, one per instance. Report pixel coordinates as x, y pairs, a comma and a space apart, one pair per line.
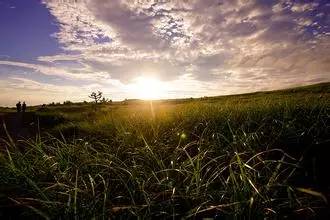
96, 96
67, 102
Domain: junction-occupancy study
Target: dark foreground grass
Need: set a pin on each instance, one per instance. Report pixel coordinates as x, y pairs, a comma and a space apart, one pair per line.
253, 157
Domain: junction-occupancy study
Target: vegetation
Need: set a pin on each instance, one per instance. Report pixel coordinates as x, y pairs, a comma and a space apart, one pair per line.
250, 156
96, 96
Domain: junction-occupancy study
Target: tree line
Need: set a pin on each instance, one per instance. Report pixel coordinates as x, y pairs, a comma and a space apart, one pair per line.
96, 97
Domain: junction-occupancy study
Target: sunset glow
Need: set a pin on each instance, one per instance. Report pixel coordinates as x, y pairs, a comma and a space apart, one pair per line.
147, 88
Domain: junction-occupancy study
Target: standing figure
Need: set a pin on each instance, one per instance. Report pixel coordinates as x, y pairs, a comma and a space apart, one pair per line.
23, 107
18, 106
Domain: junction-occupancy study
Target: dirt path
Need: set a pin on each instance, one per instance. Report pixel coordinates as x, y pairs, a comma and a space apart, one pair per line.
18, 125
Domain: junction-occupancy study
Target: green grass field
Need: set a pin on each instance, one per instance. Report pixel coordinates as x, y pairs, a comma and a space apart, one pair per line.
252, 156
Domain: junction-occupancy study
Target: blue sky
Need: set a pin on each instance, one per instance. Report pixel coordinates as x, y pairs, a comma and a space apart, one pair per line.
27, 27
54, 50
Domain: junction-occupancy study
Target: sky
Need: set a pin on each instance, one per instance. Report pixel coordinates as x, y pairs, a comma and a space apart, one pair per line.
57, 50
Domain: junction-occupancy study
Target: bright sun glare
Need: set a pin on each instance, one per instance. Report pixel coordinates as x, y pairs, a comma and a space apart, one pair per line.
148, 88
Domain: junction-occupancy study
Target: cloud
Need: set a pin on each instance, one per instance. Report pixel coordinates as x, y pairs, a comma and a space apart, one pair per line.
79, 29
78, 73
17, 88
302, 7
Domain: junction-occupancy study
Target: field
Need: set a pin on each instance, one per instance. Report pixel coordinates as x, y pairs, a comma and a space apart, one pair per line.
251, 156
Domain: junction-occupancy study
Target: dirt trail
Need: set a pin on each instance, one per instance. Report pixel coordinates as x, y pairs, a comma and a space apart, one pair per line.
18, 125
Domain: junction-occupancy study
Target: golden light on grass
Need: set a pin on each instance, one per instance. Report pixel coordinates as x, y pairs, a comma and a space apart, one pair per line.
148, 88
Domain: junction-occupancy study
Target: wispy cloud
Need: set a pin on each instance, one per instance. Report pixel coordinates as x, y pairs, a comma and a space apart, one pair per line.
210, 35
18, 88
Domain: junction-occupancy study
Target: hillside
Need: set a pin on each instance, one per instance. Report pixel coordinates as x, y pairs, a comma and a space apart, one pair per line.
258, 155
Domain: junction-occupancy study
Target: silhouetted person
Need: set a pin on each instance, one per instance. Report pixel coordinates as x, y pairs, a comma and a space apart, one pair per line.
18, 107
23, 107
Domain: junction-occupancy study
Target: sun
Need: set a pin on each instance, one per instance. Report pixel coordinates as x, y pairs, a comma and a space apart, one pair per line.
148, 88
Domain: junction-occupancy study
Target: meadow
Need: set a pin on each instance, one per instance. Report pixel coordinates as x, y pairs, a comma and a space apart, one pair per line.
253, 156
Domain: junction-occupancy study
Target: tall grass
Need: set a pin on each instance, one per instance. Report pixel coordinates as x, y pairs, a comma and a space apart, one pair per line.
227, 159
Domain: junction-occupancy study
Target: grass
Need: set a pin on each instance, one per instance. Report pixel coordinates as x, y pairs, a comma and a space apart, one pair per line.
249, 156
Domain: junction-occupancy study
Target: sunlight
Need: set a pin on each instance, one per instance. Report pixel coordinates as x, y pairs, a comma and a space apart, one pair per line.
148, 88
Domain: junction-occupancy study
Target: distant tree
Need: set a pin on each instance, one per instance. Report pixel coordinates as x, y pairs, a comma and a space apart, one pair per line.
67, 102
96, 96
